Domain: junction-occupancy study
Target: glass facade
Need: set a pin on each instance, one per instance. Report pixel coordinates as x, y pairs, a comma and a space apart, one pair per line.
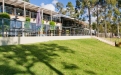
46, 17
9, 10
1, 8
19, 12
33, 14
27, 13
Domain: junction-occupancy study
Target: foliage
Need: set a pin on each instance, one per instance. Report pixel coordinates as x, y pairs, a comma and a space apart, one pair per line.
70, 9
58, 58
59, 6
52, 23
93, 25
28, 19
4, 15
6, 20
67, 31
42, 21
27, 23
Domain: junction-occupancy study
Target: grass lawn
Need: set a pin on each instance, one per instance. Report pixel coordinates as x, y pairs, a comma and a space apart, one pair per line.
72, 57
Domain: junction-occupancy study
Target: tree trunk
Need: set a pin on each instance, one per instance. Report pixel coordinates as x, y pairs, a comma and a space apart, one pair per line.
90, 27
97, 22
105, 24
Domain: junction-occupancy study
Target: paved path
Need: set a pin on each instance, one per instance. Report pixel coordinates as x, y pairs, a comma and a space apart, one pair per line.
104, 40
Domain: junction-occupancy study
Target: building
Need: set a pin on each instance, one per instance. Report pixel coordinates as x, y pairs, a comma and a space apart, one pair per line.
24, 9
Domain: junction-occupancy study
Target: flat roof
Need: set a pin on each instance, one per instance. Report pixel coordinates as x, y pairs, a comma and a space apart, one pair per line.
20, 3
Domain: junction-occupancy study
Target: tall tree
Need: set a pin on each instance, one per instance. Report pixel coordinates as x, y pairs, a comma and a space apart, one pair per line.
70, 9
87, 5
59, 6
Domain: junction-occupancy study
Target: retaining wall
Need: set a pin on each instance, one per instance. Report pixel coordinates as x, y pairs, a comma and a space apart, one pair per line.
29, 40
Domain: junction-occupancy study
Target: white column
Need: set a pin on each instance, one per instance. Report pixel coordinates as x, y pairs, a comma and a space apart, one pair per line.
24, 22
3, 6
42, 14
23, 29
15, 11
30, 14
24, 10
51, 15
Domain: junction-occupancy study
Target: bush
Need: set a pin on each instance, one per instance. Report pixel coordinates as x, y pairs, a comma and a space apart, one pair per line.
52, 23
27, 23
6, 20
28, 19
4, 15
42, 21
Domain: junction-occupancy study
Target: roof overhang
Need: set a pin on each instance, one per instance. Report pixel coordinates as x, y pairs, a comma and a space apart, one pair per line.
20, 3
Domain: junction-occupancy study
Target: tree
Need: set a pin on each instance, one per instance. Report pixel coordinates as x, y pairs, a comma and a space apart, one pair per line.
70, 9
59, 6
93, 25
87, 5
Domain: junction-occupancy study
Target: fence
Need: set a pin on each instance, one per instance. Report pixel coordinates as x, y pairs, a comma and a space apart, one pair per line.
13, 28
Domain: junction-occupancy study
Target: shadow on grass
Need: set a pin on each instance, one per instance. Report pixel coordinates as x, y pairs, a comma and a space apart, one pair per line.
70, 66
90, 72
13, 58
7, 70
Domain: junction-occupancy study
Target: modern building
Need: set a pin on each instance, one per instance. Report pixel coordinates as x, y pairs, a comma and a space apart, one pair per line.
24, 9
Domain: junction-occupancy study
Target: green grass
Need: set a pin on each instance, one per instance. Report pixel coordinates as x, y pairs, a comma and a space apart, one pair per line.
72, 57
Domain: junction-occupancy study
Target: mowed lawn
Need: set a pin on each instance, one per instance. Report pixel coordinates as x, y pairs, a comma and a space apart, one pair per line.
68, 57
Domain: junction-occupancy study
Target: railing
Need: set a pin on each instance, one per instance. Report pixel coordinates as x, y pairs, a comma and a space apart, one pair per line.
13, 28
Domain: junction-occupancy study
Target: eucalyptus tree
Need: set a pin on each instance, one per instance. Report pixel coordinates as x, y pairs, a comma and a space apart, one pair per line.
59, 6
87, 5
70, 9
118, 13
107, 7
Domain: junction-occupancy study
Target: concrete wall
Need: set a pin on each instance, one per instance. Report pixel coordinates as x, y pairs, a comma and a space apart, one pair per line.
29, 40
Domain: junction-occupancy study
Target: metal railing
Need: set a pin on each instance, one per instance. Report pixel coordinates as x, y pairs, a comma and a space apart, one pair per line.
13, 28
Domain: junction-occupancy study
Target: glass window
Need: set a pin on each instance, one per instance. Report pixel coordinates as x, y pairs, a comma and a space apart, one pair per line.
8, 9
27, 13
19, 12
33, 14
0, 8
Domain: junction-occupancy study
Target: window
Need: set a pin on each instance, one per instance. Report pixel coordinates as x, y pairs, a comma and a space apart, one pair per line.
8, 9
0, 8
27, 13
19, 12
33, 14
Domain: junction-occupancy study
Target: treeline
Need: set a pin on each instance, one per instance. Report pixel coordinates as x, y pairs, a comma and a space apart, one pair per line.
107, 13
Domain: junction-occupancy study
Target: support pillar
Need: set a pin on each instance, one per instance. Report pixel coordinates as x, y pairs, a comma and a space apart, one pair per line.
3, 6
51, 15
42, 14
24, 10
15, 11
30, 14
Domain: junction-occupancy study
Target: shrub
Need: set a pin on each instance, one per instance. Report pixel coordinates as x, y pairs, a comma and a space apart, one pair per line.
52, 23
6, 20
28, 19
42, 21
27, 23
4, 15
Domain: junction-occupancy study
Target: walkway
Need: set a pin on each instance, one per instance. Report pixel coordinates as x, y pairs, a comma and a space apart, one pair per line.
104, 40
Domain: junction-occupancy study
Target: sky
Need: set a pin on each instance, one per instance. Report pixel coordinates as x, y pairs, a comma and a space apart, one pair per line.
50, 4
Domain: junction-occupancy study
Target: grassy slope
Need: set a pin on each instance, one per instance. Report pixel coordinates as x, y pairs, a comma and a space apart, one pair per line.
73, 57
